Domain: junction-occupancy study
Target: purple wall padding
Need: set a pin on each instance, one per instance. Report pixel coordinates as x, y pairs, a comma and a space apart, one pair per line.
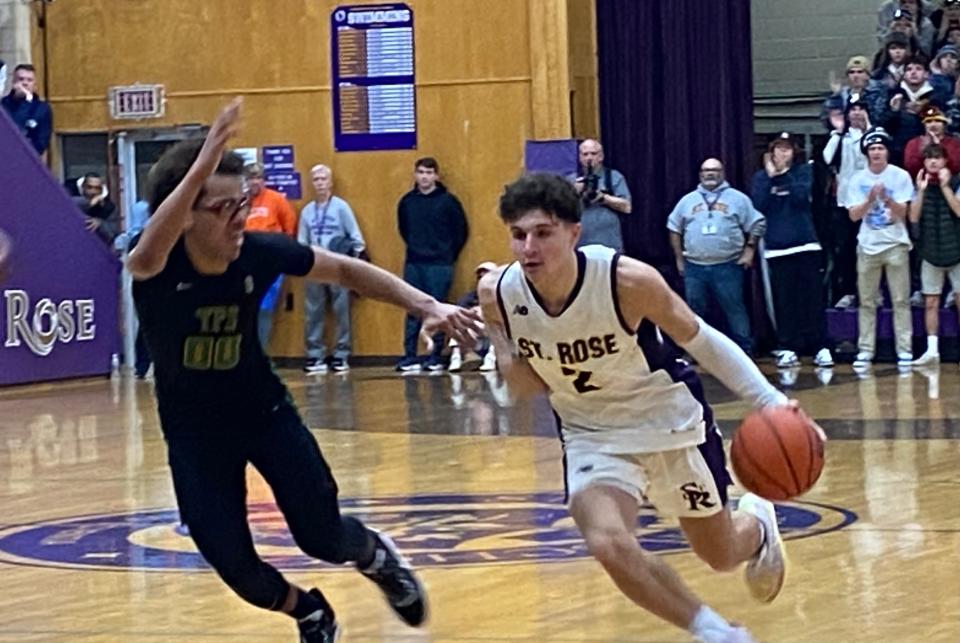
59, 303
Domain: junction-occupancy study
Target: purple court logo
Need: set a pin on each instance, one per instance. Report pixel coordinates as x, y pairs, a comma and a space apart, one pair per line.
436, 530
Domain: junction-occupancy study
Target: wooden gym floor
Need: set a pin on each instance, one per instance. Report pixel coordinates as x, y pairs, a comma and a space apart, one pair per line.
471, 489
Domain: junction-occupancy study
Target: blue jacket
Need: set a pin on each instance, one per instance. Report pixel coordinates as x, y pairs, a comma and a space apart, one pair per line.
33, 118
785, 202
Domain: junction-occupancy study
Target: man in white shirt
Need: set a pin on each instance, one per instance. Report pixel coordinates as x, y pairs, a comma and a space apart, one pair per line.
878, 197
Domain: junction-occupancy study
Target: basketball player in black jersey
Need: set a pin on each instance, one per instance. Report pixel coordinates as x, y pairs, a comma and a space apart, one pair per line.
198, 284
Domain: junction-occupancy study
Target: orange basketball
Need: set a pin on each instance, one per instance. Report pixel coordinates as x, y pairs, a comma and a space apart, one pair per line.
777, 453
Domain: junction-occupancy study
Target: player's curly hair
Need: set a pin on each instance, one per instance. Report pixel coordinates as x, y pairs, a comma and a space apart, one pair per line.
540, 191
167, 173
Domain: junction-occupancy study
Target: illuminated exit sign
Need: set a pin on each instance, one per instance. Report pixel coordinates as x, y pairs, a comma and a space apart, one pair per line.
136, 101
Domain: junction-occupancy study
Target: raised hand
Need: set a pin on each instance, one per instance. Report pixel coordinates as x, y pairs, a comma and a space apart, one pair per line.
223, 129
837, 122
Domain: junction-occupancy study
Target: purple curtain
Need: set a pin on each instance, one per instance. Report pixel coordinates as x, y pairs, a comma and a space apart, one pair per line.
675, 88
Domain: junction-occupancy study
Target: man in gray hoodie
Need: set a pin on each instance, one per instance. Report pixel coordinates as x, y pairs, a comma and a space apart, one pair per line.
714, 232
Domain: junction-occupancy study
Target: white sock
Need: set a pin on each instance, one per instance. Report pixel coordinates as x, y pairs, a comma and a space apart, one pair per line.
706, 622
933, 344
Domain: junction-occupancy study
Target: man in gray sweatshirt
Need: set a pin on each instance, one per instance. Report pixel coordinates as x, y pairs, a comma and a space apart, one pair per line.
714, 232
328, 222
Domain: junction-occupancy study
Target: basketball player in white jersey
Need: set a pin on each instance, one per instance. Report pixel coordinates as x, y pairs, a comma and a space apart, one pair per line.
583, 326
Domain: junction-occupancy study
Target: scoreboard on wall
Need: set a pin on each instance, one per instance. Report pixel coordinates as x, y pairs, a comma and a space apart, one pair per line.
374, 93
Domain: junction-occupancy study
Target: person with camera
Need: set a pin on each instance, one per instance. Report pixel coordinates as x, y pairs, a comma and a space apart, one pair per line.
328, 222
604, 196
714, 232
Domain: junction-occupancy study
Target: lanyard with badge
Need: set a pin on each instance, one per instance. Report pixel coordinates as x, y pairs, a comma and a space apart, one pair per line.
710, 226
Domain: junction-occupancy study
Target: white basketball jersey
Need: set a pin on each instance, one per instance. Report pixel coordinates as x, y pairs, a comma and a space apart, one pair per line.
609, 384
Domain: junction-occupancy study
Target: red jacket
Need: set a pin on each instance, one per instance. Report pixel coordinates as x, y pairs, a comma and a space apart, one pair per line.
913, 154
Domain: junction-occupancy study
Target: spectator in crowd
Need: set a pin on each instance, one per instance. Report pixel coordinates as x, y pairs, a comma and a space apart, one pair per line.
483, 348
29, 112
899, 110
936, 208
782, 191
604, 195
934, 124
917, 27
887, 11
945, 18
877, 197
952, 111
714, 232
944, 68
102, 216
858, 76
3, 74
842, 152
328, 222
888, 63
269, 212
434, 228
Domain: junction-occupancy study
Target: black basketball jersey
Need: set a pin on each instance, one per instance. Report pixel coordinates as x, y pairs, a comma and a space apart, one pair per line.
201, 331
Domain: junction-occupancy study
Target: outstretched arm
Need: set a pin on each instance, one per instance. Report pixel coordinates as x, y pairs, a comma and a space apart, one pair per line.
644, 294
167, 223
522, 380
376, 283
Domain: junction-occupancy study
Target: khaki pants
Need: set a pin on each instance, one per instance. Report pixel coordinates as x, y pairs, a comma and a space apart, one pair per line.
896, 262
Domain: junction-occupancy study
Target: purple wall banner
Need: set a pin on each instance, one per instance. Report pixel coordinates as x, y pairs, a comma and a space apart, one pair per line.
60, 299
558, 156
374, 89
277, 157
285, 182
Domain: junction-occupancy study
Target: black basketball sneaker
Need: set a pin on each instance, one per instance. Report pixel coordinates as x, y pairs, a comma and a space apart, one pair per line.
393, 574
321, 626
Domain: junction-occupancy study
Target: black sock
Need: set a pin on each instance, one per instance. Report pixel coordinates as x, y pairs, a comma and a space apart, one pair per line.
307, 604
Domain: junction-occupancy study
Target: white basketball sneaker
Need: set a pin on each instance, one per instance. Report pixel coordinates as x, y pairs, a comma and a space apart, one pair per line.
765, 573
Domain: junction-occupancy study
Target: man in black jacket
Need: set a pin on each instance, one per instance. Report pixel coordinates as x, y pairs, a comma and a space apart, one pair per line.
434, 228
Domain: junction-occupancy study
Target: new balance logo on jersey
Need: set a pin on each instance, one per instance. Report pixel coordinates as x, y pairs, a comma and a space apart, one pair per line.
696, 496
520, 310
184, 285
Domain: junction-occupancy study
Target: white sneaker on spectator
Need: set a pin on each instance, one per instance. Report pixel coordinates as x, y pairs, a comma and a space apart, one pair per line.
863, 360
456, 361
916, 299
823, 358
949, 299
929, 358
904, 360
489, 361
787, 359
847, 301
